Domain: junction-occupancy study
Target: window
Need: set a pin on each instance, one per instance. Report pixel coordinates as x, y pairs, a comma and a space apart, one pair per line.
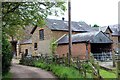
119, 39
41, 34
35, 46
26, 52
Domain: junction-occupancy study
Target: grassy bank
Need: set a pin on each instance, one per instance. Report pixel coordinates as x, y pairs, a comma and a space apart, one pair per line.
107, 74
7, 76
59, 70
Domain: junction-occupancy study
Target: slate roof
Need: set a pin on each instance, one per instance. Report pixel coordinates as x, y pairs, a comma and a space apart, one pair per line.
85, 37
104, 28
63, 25
115, 29
29, 41
95, 28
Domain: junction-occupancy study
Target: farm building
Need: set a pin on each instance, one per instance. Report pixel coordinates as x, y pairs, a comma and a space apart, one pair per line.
25, 47
53, 30
85, 43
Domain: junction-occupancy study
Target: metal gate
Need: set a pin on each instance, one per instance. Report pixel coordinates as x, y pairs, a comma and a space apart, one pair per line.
103, 56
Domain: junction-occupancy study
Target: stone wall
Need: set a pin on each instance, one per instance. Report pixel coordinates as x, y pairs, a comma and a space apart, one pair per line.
26, 46
44, 45
115, 42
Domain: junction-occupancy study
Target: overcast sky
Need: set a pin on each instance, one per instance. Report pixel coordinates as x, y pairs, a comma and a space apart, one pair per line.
100, 12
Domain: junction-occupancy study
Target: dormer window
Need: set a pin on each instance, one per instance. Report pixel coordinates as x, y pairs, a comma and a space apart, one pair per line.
41, 34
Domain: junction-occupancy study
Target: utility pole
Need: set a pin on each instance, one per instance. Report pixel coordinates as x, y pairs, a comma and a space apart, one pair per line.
70, 31
118, 62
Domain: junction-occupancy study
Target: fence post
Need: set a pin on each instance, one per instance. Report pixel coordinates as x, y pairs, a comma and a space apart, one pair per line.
63, 58
46, 58
84, 70
55, 58
91, 59
118, 69
41, 57
98, 70
113, 57
67, 59
78, 63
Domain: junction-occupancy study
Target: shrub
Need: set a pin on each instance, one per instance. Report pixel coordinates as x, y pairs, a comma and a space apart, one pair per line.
27, 61
59, 70
6, 55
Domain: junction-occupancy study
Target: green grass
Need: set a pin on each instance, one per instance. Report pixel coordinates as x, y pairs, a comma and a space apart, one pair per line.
60, 70
7, 76
107, 74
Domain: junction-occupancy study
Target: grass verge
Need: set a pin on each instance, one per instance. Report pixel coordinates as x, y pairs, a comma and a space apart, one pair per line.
8, 76
59, 70
107, 74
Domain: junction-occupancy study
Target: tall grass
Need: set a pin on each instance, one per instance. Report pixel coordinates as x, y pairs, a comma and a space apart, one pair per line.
60, 70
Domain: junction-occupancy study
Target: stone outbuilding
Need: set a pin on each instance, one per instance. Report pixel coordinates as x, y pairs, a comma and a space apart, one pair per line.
25, 47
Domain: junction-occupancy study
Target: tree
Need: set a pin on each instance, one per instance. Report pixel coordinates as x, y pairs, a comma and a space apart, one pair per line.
16, 15
53, 46
6, 55
95, 25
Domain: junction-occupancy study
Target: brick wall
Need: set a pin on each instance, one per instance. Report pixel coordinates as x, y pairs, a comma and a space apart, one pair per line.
77, 49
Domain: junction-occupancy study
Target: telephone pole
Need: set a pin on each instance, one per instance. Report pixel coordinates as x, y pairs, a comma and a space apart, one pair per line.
70, 31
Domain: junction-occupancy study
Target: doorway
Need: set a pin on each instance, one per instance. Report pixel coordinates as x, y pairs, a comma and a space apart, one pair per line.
26, 52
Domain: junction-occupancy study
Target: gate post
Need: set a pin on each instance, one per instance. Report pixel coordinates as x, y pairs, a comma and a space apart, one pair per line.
113, 57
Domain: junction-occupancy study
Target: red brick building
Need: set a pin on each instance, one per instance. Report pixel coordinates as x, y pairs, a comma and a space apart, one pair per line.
85, 43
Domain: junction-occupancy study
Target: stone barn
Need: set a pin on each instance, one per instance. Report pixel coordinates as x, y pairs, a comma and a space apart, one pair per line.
25, 47
83, 44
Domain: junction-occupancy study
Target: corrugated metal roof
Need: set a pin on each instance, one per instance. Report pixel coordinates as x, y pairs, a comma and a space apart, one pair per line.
93, 37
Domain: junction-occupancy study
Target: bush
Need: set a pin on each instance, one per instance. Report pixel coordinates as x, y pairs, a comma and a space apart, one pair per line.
27, 61
6, 55
59, 70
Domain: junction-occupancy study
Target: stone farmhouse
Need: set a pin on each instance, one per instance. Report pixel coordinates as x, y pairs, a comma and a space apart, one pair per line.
41, 37
83, 39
